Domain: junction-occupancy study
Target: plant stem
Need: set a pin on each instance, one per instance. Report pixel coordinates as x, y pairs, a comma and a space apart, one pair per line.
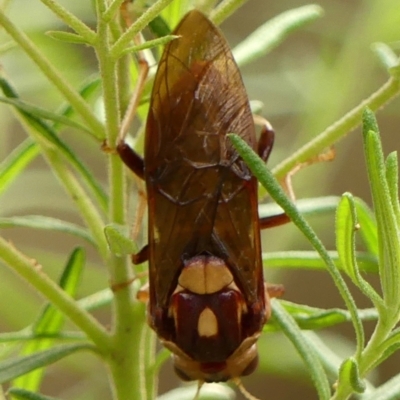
150, 356
129, 316
339, 129
125, 365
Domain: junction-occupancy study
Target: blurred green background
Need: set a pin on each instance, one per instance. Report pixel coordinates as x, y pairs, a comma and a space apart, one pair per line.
318, 74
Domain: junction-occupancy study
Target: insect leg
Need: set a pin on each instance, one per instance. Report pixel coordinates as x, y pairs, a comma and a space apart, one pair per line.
141, 256
138, 258
265, 144
273, 220
267, 137
131, 159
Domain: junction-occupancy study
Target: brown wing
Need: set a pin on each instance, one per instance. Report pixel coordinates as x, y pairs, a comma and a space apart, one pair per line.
202, 198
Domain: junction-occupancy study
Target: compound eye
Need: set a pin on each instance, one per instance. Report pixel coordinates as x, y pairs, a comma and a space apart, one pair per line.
251, 366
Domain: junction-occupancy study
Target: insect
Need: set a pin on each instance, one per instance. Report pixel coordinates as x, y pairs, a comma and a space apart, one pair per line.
207, 298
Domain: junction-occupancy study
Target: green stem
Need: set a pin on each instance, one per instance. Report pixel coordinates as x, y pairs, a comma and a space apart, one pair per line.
129, 317
150, 356
54, 76
339, 129
32, 272
125, 366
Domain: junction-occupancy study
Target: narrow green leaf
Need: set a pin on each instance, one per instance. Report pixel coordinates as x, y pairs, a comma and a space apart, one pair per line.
17, 366
312, 206
211, 391
67, 37
388, 231
349, 372
22, 394
51, 319
259, 170
273, 32
118, 240
42, 113
345, 227
312, 260
150, 44
304, 348
368, 228
346, 223
369, 121
16, 162
314, 318
392, 176
73, 270
46, 223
